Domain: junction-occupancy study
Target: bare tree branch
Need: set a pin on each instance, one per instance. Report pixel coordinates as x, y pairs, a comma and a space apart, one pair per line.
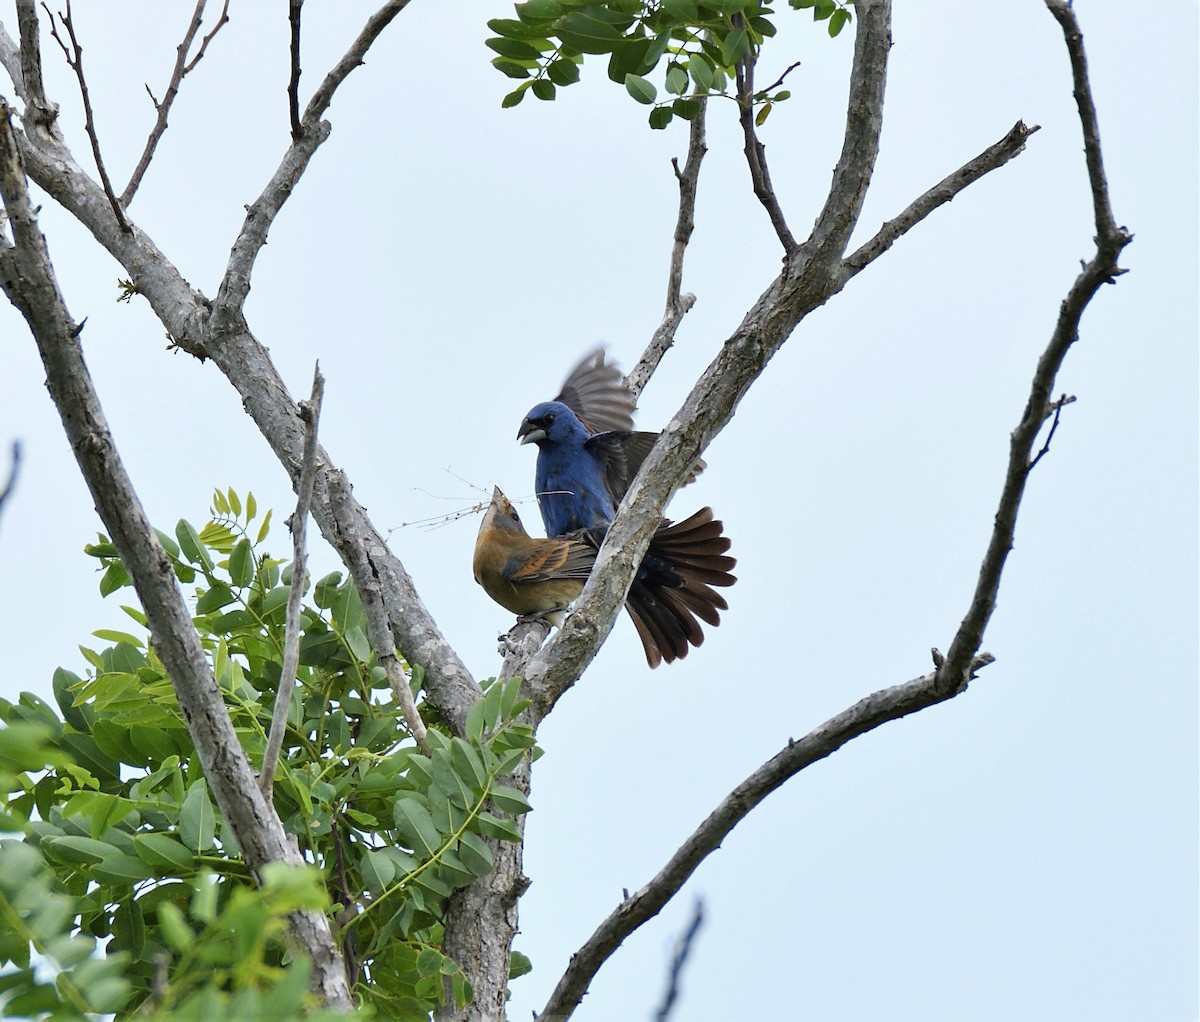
1102, 268
310, 412
257, 828
235, 286
14, 470
756, 153
294, 7
678, 304
74, 56
866, 715
992, 158
182, 66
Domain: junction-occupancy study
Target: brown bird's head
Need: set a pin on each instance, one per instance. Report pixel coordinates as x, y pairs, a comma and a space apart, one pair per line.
502, 515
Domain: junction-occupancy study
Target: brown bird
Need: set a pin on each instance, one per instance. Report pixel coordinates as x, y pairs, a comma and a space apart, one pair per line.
540, 577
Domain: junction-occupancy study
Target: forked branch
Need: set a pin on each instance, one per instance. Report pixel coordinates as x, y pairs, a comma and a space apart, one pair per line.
183, 65
1102, 268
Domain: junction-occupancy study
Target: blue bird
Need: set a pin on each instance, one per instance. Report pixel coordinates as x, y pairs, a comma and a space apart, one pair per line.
588, 451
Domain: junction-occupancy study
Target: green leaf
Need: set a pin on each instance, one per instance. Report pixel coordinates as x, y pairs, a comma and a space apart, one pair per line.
536, 9
586, 32
515, 49
475, 854
512, 69
491, 825
563, 71
763, 113
469, 764
686, 12
241, 563
356, 642
415, 823
837, 21
119, 868
701, 70
544, 89
519, 965
197, 821
174, 927
189, 543
114, 578
660, 117
265, 527
234, 501
219, 595
735, 46
677, 80
163, 851
686, 108
325, 591
73, 849
509, 800
377, 871
640, 89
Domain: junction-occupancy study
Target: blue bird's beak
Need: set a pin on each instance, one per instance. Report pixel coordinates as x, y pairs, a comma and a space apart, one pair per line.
530, 434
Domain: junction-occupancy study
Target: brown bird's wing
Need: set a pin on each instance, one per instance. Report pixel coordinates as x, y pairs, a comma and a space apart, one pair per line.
595, 390
543, 560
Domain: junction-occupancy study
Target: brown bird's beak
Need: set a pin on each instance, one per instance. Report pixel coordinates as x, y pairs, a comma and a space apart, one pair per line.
529, 433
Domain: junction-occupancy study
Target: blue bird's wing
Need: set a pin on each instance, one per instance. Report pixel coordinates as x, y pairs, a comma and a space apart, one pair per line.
596, 392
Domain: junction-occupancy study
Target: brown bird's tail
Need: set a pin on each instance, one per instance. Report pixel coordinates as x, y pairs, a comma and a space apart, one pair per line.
673, 586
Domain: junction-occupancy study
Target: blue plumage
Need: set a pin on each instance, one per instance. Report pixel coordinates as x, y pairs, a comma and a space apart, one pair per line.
571, 488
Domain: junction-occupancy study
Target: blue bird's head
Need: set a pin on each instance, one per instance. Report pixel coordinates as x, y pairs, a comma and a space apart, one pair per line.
551, 422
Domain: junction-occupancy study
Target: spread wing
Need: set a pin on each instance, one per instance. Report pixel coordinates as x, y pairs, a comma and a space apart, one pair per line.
622, 454
595, 391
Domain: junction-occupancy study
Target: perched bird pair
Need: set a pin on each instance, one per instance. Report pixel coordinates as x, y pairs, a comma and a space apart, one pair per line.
588, 454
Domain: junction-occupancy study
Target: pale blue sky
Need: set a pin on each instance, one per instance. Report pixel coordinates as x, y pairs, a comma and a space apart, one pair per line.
1028, 850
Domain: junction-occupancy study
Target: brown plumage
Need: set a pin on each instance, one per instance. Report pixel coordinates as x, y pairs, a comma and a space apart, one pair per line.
672, 588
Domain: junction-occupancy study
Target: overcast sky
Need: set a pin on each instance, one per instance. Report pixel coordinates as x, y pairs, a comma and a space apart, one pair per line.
1028, 850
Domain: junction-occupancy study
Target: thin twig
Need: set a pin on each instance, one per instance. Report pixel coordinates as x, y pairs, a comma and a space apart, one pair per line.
379, 631
779, 81
756, 153
14, 470
1102, 268
683, 949
866, 715
294, 7
74, 57
182, 67
1056, 410
310, 413
678, 303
